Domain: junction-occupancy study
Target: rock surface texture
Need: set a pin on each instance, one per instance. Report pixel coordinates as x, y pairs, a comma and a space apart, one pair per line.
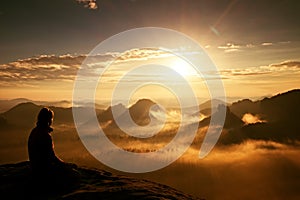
17, 183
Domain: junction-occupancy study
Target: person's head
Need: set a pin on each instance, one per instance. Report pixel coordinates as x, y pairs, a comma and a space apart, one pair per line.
45, 117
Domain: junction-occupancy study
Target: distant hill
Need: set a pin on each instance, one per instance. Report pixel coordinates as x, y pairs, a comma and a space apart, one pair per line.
3, 123
5, 105
16, 183
208, 104
205, 108
24, 115
139, 113
231, 120
281, 113
279, 117
245, 106
107, 115
282, 107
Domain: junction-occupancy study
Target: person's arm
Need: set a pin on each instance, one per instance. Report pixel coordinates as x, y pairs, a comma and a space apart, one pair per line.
52, 155
56, 159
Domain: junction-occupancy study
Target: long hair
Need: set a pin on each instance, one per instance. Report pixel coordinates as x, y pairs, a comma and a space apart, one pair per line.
45, 117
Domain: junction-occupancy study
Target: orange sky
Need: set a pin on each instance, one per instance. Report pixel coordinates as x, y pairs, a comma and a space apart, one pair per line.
254, 44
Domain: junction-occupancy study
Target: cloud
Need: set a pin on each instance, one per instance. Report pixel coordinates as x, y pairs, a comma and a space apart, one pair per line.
65, 67
140, 54
229, 47
248, 118
91, 4
285, 42
244, 72
41, 68
267, 44
284, 68
250, 45
45, 67
287, 64
231, 50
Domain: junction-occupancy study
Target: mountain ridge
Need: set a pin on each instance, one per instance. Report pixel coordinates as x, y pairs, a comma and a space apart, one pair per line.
278, 117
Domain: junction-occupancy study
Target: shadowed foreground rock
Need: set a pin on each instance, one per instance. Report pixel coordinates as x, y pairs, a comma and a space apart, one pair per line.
16, 183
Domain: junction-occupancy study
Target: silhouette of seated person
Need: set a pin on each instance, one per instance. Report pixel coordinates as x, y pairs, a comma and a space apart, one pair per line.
46, 166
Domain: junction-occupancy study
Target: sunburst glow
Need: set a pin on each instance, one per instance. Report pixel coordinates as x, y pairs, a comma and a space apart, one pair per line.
183, 67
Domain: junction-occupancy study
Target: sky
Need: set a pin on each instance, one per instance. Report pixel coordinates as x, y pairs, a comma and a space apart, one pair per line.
255, 44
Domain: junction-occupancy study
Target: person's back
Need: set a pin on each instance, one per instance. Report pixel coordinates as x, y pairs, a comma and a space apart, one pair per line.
40, 149
46, 166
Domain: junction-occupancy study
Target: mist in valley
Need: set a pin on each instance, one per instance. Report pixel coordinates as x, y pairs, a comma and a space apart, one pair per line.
245, 164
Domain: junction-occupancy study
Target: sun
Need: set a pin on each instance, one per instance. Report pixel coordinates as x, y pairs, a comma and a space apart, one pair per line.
182, 67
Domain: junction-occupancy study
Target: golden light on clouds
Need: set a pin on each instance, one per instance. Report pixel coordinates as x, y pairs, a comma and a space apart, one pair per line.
248, 118
53, 76
148, 78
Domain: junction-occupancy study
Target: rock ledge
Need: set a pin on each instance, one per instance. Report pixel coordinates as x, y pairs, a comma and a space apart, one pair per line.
16, 183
